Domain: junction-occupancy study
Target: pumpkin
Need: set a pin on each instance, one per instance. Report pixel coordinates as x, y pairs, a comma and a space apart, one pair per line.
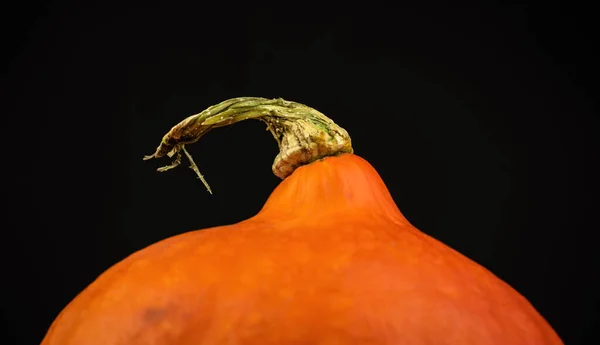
329, 259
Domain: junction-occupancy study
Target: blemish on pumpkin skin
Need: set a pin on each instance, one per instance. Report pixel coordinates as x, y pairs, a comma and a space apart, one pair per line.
155, 314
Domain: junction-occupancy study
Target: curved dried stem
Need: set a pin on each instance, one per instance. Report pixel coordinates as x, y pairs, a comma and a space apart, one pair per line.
302, 133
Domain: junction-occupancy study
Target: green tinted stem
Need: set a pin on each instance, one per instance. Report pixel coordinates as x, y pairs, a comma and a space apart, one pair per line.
302, 133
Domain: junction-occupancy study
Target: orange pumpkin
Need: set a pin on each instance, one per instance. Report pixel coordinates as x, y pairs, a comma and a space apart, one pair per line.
328, 260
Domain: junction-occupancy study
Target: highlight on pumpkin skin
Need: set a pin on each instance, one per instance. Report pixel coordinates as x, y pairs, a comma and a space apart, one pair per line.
302, 133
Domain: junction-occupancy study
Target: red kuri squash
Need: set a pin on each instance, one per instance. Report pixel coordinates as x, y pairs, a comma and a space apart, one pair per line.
328, 260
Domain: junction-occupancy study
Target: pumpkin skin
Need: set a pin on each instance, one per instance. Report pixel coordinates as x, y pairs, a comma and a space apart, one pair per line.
328, 260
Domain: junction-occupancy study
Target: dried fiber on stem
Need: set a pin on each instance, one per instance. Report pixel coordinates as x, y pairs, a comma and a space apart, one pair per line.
302, 133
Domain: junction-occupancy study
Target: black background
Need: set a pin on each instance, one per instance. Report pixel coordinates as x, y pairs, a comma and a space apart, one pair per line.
479, 121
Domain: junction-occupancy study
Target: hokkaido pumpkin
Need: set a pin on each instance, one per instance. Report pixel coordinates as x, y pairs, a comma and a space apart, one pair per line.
329, 259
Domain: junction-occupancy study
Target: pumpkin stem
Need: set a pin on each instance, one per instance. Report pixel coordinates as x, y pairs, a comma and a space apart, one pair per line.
302, 133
